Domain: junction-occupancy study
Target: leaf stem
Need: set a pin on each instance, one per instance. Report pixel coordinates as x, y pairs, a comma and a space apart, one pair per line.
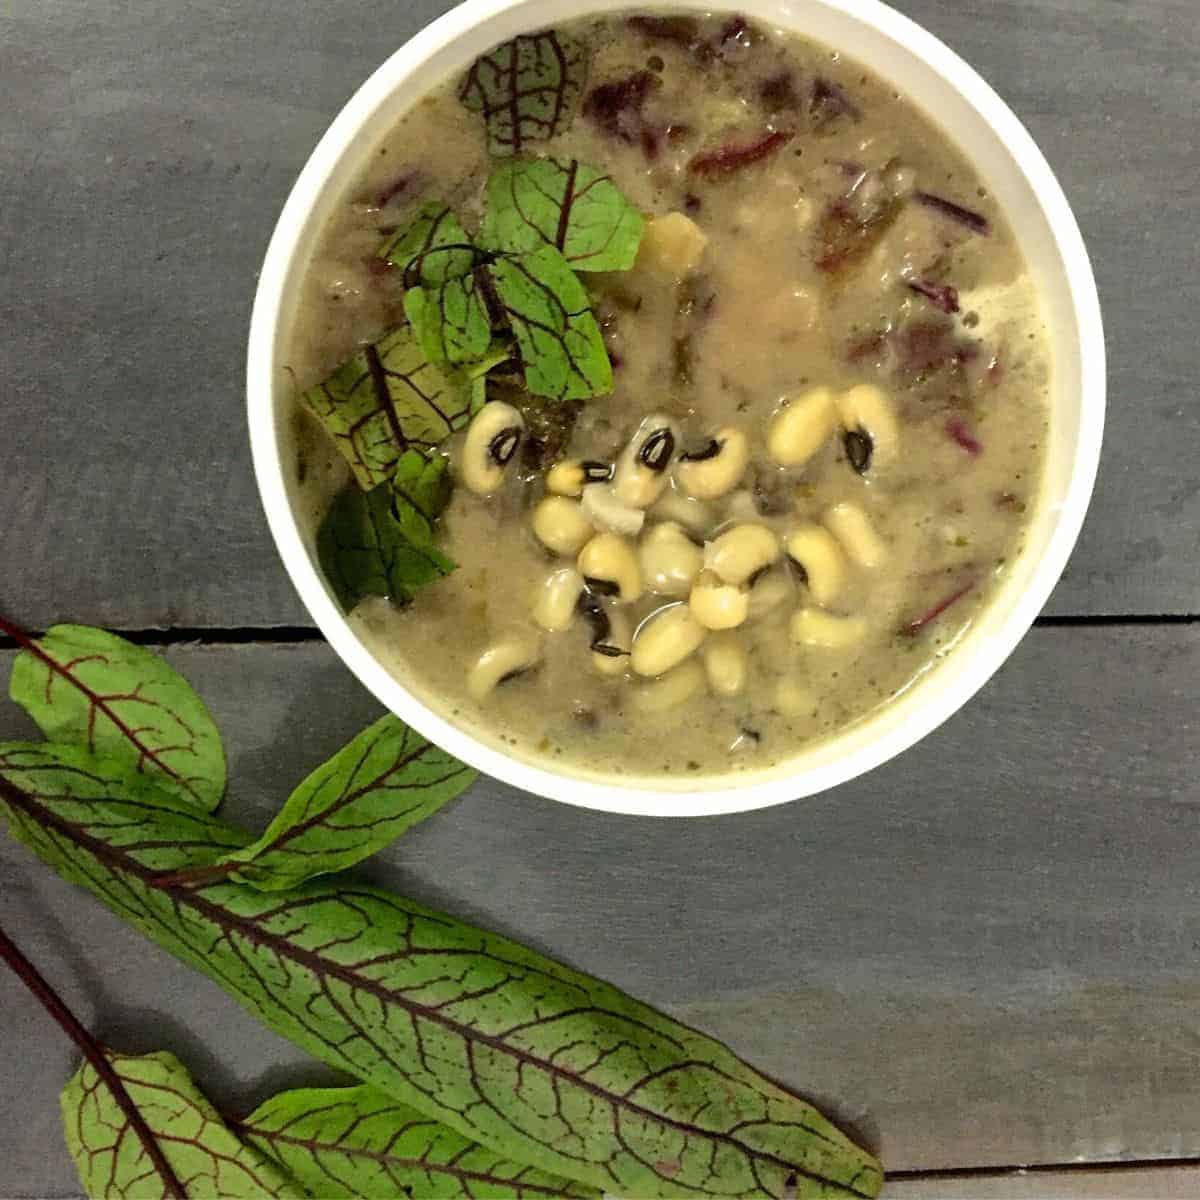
91, 1049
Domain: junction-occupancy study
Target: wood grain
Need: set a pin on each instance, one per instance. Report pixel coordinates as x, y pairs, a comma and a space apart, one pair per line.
148, 147
982, 954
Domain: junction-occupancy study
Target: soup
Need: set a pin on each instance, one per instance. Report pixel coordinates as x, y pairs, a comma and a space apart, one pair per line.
680, 395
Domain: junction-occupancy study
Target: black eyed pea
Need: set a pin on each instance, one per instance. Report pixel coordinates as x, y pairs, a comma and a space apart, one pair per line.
671, 691
819, 560
799, 430
560, 525
741, 507
852, 527
641, 473
871, 434
609, 565
557, 599
568, 477
812, 627
716, 470
602, 508
770, 590
669, 559
505, 659
725, 664
675, 505
612, 640
664, 639
793, 699
718, 605
490, 445
741, 552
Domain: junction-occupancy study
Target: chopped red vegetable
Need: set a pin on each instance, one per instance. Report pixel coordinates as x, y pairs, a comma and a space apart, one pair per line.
940, 295
964, 216
617, 106
915, 626
397, 188
728, 159
958, 432
778, 92
829, 101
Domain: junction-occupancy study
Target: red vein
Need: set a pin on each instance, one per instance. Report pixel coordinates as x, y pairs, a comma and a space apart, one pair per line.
32, 978
97, 701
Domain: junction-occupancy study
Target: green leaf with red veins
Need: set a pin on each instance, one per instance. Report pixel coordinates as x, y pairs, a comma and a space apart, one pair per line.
387, 399
551, 317
432, 249
207, 1157
527, 90
359, 1143
93, 688
573, 207
451, 321
381, 542
384, 782
512, 1050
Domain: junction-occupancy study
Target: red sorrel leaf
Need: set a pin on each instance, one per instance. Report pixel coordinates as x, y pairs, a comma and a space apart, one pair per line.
357, 1143
381, 784
201, 1149
568, 205
527, 89
508, 1048
92, 688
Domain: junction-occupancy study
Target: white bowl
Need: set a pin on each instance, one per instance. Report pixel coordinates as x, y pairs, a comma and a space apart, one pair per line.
1016, 174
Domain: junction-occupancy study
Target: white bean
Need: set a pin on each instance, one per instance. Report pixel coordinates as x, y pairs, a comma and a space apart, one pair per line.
798, 431
725, 664
673, 505
852, 527
490, 445
559, 524
669, 559
718, 605
554, 607
664, 639
865, 409
741, 552
675, 688
793, 699
610, 559
641, 473
812, 627
568, 476
509, 657
716, 471
816, 552
768, 593
619, 636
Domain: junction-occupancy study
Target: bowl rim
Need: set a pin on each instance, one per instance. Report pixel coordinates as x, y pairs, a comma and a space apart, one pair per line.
621, 794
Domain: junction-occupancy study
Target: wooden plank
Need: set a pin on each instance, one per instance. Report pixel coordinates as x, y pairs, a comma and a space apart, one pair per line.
148, 147
980, 955
1153, 1182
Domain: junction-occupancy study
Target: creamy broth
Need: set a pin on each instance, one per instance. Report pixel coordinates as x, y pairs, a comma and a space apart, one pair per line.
860, 251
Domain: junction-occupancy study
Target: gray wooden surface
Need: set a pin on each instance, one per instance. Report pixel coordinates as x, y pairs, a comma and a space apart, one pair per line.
982, 956
147, 147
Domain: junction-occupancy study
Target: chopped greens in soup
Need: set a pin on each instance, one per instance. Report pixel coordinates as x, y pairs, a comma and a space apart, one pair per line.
673, 394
